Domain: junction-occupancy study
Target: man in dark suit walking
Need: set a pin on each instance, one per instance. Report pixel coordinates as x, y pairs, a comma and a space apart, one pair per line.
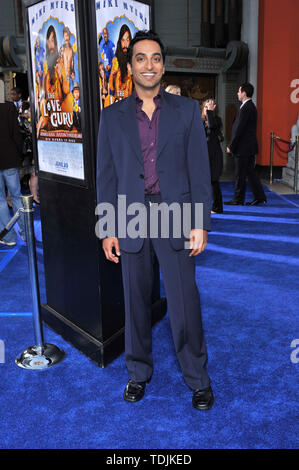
244, 147
152, 149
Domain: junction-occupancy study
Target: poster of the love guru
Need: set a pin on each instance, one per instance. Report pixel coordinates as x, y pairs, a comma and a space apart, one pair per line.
52, 26
117, 22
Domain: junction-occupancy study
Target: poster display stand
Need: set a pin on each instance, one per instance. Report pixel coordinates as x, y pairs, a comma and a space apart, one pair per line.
76, 52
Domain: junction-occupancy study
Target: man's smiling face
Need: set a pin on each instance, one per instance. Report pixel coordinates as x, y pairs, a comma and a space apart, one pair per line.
147, 64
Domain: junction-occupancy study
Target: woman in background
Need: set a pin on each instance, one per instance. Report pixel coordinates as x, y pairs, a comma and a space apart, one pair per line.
213, 128
174, 89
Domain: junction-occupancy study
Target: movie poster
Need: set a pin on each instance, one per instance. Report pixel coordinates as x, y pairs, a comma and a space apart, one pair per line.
117, 22
56, 78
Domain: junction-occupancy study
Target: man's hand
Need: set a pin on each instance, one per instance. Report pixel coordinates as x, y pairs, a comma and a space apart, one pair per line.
228, 150
108, 244
198, 241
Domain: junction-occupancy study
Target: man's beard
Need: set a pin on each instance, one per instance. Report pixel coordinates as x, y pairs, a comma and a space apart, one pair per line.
52, 61
122, 58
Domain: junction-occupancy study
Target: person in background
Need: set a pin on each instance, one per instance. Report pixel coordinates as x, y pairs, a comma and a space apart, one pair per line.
16, 98
244, 146
11, 144
174, 89
28, 167
213, 128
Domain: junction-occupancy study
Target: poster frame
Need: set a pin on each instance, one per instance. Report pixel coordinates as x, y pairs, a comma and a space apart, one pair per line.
86, 144
86, 28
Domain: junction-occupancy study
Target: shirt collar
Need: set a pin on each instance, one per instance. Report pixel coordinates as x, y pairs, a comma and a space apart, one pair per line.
248, 99
18, 103
139, 101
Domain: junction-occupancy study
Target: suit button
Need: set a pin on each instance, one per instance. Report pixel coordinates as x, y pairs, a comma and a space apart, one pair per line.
142, 176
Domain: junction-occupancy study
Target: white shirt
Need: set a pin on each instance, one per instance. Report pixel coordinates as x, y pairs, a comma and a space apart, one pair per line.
248, 99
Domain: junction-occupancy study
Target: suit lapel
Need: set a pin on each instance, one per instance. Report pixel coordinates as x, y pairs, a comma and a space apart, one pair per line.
167, 122
244, 107
128, 124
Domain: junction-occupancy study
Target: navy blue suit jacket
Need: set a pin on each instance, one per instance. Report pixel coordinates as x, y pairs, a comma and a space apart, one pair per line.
243, 140
182, 159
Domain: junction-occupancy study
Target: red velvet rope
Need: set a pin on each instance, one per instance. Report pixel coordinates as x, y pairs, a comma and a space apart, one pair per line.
284, 141
283, 150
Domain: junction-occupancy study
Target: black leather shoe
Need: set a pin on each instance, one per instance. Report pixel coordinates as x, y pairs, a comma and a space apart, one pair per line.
203, 399
134, 391
234, 203
255, 202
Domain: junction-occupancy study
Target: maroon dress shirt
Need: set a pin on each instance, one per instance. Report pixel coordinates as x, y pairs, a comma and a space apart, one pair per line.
148, 133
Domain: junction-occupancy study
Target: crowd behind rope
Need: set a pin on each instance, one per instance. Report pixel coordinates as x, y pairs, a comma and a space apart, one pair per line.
16, 162
27, 170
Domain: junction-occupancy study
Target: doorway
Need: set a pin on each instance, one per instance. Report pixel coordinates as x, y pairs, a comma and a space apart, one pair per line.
196, 86
21, 81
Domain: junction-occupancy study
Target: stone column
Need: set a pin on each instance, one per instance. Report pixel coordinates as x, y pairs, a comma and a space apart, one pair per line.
205, 23
249, 35
233, 25
8, 84
2, 94
219, 24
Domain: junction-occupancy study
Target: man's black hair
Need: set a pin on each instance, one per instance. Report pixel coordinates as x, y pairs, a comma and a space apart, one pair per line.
145, 35
248, 88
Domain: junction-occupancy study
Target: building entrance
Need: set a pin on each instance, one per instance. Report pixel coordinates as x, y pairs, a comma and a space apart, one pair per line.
196, 86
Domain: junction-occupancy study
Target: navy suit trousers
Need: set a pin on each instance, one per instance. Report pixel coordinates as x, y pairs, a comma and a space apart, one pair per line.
178, 271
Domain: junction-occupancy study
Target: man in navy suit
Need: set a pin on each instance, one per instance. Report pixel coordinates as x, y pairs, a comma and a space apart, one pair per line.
151, 150
244, 147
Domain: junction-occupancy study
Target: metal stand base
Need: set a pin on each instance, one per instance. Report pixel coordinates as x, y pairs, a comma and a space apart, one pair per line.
36, 357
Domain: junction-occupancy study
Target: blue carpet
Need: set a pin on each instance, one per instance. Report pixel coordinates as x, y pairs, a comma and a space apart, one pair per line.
248, 278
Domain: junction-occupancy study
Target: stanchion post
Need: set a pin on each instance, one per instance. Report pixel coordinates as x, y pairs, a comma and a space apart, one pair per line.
41, 355
272, 136
32, 263
296, 164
